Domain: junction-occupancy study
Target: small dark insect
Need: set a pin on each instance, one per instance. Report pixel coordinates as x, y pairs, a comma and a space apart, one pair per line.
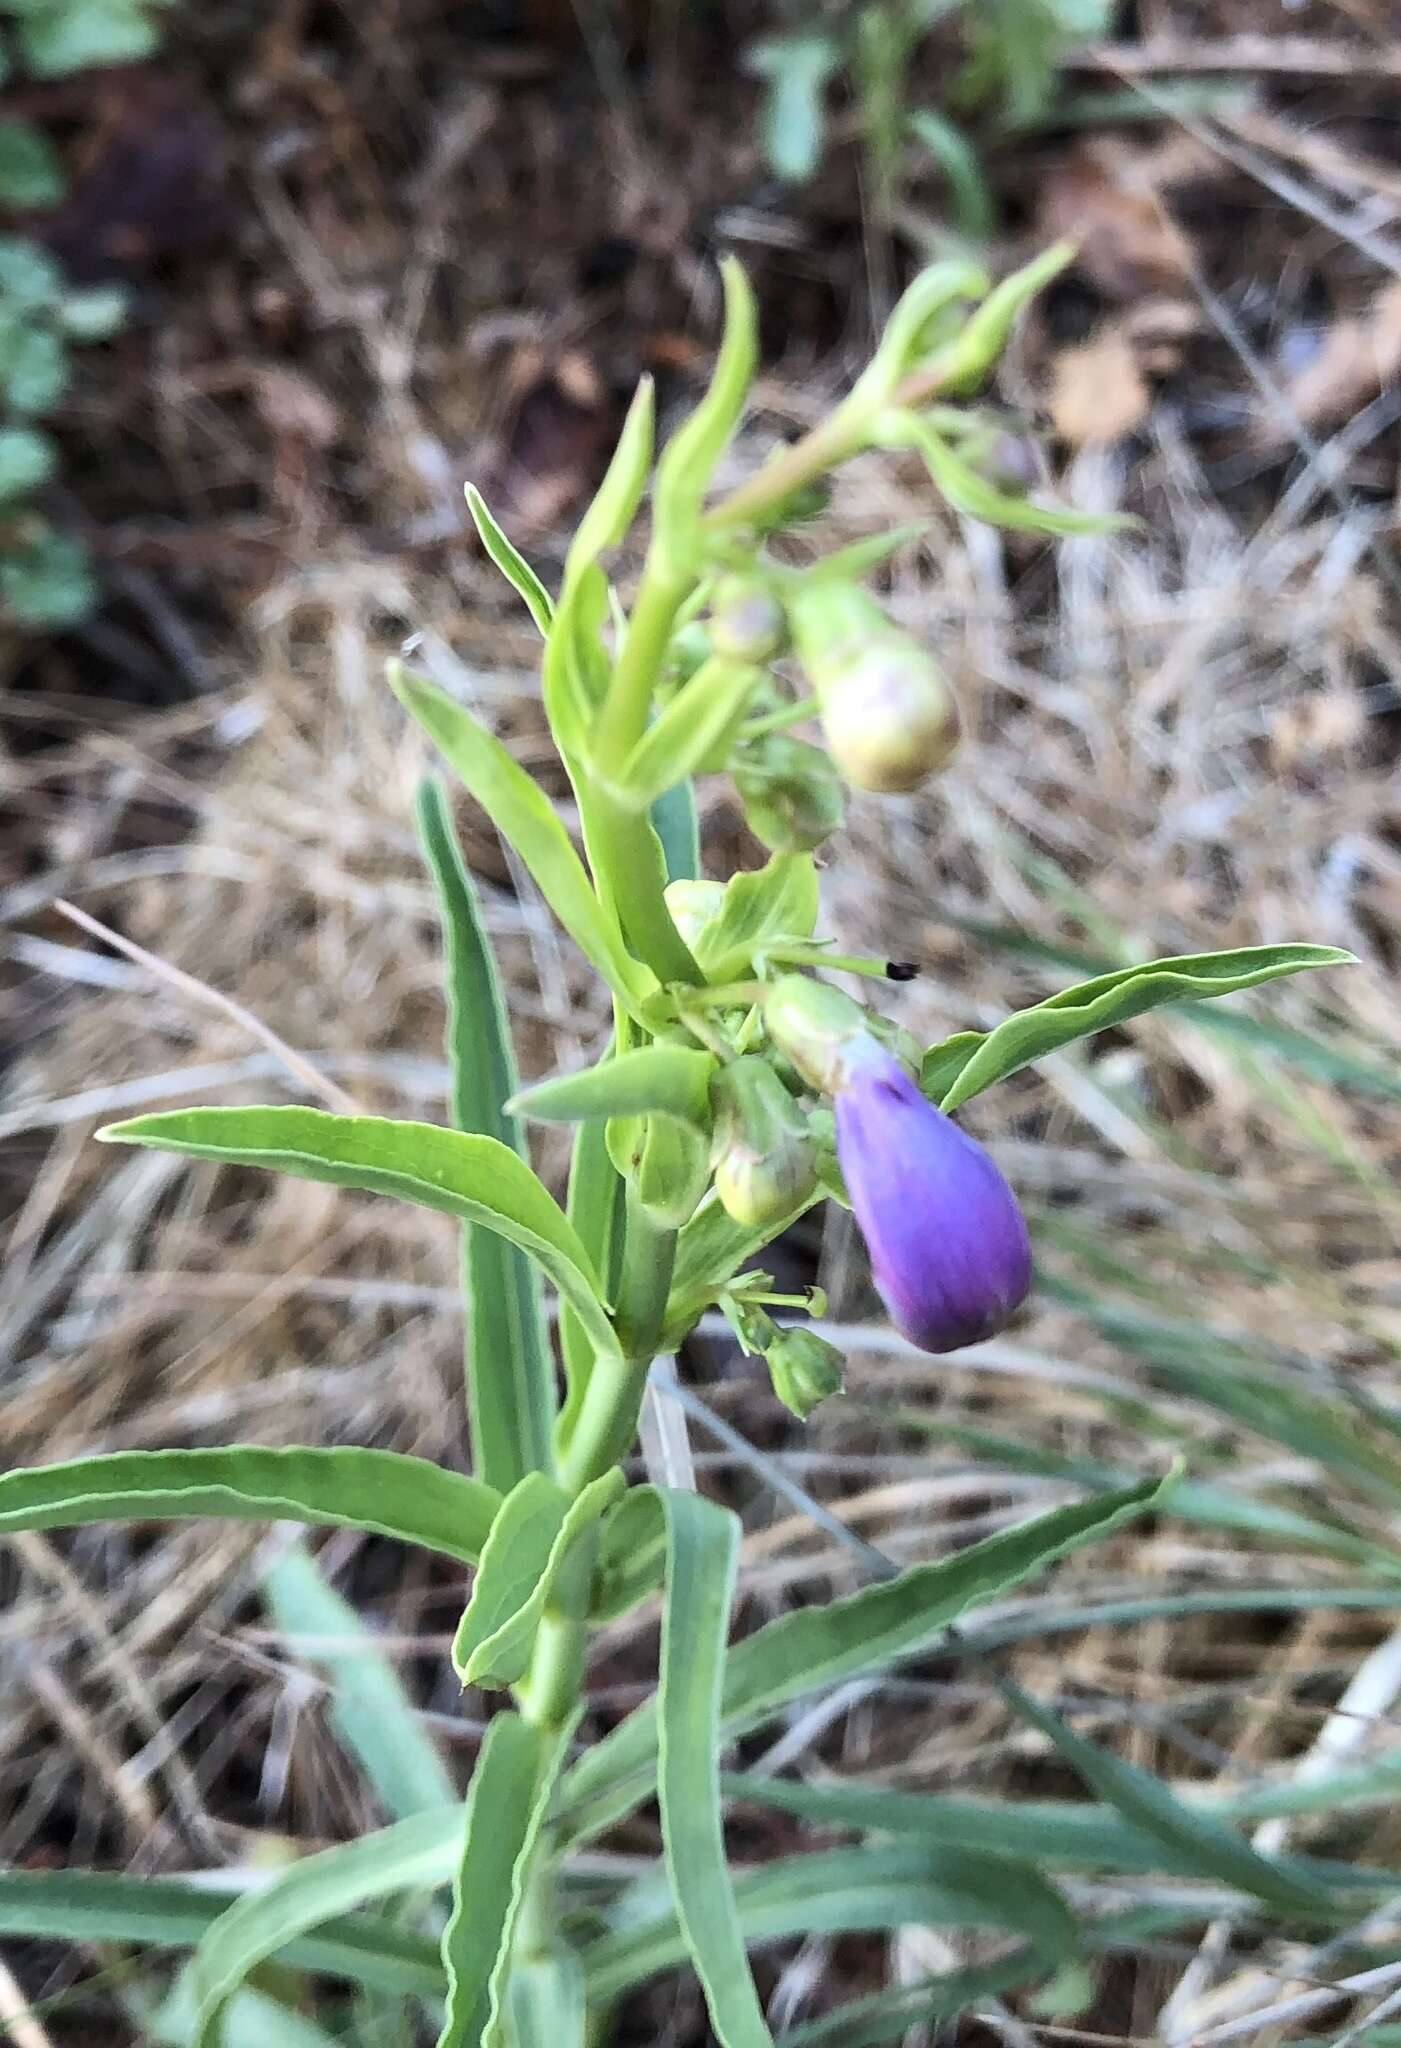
901, 970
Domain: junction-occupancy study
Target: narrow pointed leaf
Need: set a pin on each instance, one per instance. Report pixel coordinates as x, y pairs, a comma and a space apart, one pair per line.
381, 1492
405, 1857
673, 1080
530, 1539
163, 1913
615, 503
963, 1066
702, 1559
595, 1208
524, 815
510, 1374
505, 1811
457, 1173
689, 459
694, 727
1151, 1806
511, 562
816, 1647
838, 1891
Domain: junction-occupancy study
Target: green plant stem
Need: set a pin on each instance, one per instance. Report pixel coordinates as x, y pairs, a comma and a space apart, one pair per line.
623, 852
623, 717
549, 1692
607, 1423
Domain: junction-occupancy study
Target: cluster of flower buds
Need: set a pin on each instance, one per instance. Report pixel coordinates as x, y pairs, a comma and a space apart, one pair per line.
804, 1368
948, 1242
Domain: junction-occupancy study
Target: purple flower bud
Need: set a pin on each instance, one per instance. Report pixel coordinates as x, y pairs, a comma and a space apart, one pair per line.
948, 1243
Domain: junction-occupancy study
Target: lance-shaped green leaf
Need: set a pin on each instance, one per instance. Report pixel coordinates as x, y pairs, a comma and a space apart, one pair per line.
684, 472
510, 1374
164, 1913
962, 1066
776, 901
370, 1711
676, 825
615, 503
403, 1858
918, 322
971, 359
692, 734
458, 1173
512, 564
525, 817
1065, 1834
574, 672
595, 1208
967, 490
382, 1492
702, 1559
631, 1554
840, 1891
670, 1080
533, 1534
506, 1807
1216, 1850
821, 1646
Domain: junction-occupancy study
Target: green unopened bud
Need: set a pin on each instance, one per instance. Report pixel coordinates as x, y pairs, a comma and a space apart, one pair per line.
889, 716
792, 794
765, 1161
805, 1369
693, 906
747, 622
823, 1032
689, 651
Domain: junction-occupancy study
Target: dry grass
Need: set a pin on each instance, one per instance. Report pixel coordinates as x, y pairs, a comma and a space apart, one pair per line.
1179, 738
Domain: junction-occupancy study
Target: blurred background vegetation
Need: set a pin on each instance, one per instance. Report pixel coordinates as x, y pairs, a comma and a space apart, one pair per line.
275, 281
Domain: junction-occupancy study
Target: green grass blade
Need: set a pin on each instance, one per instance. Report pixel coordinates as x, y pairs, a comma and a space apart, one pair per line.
405, 1857
820, 1646
511, 1789
1149, 1805
370, 1711
477, 1179
510, 1377
702, 1560
1065, 1835
382, 1492
162, 1913
839, 1891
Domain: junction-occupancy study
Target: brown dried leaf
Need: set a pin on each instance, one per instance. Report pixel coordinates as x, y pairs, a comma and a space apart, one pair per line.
1109, 201
1357, 358
1098, 390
